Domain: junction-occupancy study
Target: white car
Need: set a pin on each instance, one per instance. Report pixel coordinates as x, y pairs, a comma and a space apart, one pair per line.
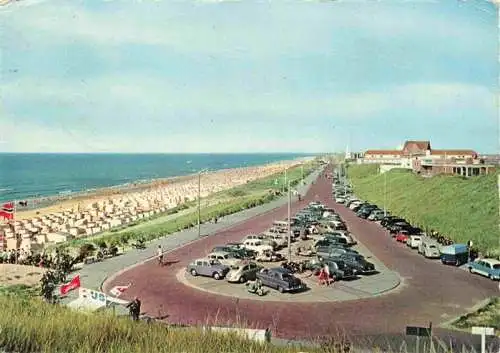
224, 258
257, 245
414, 241
265, 240
339, 199
354, 204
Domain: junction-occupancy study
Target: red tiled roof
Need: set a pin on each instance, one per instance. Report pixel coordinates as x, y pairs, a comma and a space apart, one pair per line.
393, 152
454, 152
417, 145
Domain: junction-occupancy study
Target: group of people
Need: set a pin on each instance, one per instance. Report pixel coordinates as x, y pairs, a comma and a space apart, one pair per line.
14, 256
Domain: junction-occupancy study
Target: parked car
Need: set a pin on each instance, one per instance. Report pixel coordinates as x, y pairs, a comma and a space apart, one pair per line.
257, 245
357, 262
242, 252
332, 251
340, 270
486, 267
225, 258
456, 254
429, 248
390, 220
279, 239
262, 238
402, 236
376, 215
342, 234
414, 241
340, 199
243, 271
281, 279
208, 268
339, 242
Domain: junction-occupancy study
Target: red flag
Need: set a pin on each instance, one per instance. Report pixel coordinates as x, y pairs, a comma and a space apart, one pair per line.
71, 285
7, 210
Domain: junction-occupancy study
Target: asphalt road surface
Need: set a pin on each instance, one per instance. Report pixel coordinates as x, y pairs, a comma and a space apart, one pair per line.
431, 292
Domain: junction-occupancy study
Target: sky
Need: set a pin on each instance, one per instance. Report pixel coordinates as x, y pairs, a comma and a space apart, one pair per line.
247, 76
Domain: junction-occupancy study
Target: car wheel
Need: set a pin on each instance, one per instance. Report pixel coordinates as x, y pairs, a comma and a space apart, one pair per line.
194, 273
242, 279
471, 270
281, 290
216, 275
491, 277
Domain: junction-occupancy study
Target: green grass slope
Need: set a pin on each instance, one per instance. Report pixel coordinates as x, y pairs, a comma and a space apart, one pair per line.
462, 209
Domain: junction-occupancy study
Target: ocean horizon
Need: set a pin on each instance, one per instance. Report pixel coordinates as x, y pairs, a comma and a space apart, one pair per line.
38, 175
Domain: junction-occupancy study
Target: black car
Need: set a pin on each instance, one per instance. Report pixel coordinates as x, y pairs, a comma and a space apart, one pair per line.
357, 262
341, 242
391, 221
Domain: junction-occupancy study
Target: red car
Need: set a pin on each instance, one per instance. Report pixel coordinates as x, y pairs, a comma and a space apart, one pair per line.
402, 237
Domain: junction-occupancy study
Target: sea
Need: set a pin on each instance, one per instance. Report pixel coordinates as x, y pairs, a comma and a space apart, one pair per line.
26, 176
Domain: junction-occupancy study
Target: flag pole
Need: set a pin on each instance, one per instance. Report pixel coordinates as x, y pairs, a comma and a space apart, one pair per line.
15, 231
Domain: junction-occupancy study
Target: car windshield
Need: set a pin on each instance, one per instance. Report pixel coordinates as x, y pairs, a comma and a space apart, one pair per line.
496, 266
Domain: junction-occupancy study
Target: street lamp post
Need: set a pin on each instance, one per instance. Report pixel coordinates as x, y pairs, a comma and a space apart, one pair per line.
289, 223
286, 177
199, 201
385, 194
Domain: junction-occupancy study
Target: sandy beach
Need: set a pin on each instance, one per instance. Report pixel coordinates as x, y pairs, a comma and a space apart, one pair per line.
105, 209
61, 203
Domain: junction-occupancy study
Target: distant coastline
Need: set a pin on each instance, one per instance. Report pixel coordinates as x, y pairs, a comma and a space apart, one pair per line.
182, 166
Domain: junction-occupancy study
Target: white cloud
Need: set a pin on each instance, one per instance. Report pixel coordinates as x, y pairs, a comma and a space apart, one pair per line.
159, 95
429, 100
293, 25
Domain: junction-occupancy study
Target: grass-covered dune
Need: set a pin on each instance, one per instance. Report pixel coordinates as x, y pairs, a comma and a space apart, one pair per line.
459, 208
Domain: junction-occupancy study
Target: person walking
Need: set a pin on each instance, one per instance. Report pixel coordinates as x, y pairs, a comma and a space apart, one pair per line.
159, 254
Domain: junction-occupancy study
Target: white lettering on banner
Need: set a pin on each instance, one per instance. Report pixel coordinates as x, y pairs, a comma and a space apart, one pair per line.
93, 296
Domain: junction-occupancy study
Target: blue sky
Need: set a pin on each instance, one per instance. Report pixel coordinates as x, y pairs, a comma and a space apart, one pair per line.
247, 76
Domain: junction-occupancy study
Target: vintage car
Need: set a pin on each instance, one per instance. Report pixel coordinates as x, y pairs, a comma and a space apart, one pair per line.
207, 268
486, 267
243, 271
225, 258
281, 279
357, 262
338, 269
269, 256
402, 236
330, 251
257, 245
262, 238
414, 241
343, 234
456, 254
242, 252
280, 240
429, 248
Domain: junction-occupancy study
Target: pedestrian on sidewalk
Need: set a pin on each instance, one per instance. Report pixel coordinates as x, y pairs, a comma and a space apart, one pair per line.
159, 254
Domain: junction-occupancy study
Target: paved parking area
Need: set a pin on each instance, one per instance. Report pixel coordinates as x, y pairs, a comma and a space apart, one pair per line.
383, 282
94, 275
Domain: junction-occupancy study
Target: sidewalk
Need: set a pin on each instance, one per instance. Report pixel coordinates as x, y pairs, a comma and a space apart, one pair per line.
93, 275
